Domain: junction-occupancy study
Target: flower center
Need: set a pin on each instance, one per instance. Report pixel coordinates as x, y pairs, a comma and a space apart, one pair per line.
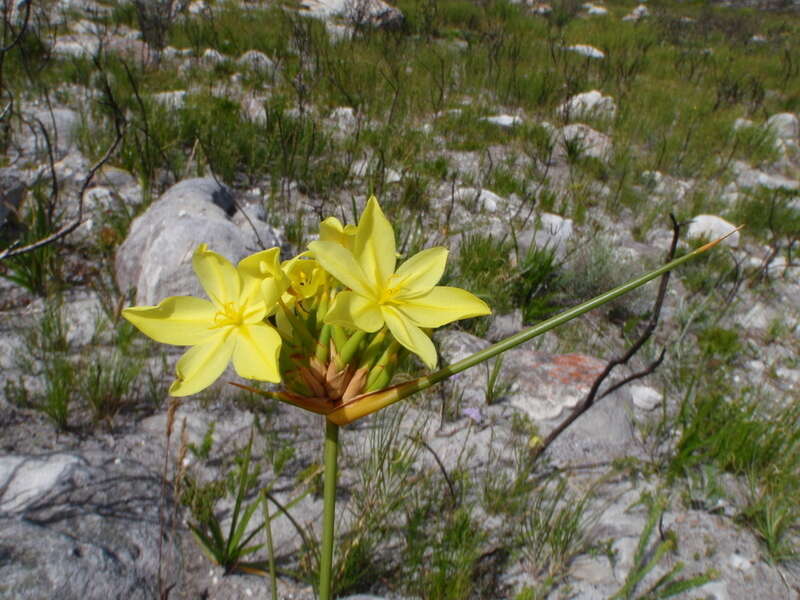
231, 315
390, 291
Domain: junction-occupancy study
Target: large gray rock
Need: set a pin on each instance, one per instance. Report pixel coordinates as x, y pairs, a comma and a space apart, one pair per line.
60, 124
81, 526
545, 388
156, 256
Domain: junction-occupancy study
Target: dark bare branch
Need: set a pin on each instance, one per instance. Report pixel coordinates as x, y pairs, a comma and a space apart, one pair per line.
593, 396
75, 223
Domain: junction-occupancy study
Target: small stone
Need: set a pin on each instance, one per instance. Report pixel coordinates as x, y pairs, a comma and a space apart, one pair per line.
503, 120
588, 104
595, 10
586, 50
213, 57
640, 12
645, 397
785, 126
257, 61
175, 99
712, 227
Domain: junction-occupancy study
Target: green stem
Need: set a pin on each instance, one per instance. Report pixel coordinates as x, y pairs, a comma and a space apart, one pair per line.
329, 509
270, 546
551, 323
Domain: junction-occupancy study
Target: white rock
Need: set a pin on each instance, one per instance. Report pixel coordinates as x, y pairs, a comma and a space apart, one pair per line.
748, 177
197, 7
637, 13
742, 124
595, 10
758, 39
645, 397
592, 143
785, 126
740, 563
356, 12
549, 231
588, 104
257, 61
213, 57
586, 50
174, 99
76, 46
474, 197
713, 227
503, 120
344, 119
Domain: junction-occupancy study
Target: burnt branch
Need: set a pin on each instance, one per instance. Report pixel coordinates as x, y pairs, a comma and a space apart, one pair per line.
75, 223
594, 393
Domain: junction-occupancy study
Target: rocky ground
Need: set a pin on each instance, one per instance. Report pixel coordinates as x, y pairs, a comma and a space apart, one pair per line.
95, 506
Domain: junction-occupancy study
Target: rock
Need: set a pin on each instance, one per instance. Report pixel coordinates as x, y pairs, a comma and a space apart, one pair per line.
748, 177
503, 120
503, 326
785, 126
156, 256
742, 124
640, 12
668, 188
645, 397
479, 199
589, 142
595, 10
546, 388
81, 526
175, 99
60, 124
588, 104
212, 57
712, 227
586, 50
12, 191
375, 13
344, 120
549, 231
76, 46
257, 61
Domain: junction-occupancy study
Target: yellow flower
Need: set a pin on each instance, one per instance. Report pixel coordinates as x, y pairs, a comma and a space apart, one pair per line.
405, 300
230, 326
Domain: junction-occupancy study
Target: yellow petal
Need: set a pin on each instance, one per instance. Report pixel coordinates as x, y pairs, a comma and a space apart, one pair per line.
266, 263
202, 365
256, 352
340, 263
421, 272
217, 275
443, 305
374, 246
351, 310
178, 320
332, 230
410, 336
